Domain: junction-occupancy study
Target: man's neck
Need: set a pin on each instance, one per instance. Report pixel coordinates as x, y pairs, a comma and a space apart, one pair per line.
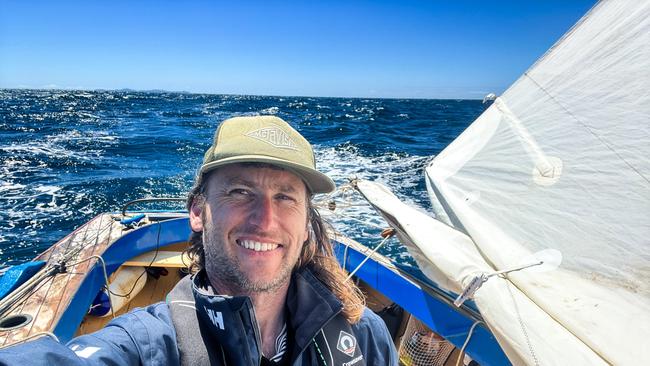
269, 311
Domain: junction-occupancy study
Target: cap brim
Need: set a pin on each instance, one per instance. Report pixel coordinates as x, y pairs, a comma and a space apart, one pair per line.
316, 181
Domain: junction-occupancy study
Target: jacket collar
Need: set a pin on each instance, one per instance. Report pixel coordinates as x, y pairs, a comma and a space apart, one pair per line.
230, 320
310, 305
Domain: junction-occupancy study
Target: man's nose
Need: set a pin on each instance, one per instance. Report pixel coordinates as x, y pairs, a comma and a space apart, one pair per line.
263, 215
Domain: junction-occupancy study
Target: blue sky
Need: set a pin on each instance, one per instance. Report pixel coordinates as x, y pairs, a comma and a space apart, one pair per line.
420, 49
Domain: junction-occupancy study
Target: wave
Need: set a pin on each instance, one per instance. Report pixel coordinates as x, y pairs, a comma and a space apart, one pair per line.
402, 173
68, 155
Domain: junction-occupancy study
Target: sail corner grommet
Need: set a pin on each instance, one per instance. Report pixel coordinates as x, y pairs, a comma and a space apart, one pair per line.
548, 172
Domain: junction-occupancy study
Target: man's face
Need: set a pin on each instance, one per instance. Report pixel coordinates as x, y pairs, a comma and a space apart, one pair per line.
254, 223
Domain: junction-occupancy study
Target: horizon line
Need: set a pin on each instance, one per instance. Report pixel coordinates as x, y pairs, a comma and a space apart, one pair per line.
152, 91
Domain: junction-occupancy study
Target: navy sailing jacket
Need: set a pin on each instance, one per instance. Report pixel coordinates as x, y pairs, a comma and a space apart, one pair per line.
194, 327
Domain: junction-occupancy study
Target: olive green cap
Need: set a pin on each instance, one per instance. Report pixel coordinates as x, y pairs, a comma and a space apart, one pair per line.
265, 139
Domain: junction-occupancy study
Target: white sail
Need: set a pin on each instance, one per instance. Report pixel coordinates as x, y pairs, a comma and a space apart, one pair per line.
452, 260
562, 160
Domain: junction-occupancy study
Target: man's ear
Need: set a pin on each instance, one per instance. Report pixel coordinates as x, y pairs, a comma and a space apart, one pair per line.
196, 214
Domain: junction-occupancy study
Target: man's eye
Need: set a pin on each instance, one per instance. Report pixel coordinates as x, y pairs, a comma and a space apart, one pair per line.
284, 197
239, 192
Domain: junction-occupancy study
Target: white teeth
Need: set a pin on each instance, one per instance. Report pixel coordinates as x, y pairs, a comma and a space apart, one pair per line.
257, 246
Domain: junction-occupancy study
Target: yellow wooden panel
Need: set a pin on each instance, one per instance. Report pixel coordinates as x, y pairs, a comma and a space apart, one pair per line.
155, 290
162, 259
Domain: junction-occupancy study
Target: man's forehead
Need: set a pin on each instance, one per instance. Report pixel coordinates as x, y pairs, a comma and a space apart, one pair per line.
255, 174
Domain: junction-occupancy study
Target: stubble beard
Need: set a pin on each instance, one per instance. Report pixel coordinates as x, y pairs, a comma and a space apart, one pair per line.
227, 271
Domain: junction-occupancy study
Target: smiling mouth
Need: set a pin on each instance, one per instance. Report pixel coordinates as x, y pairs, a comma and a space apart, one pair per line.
256, 245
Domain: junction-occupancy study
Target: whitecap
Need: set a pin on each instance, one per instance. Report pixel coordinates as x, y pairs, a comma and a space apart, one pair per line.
271, 110
47, 189
9, 187
16, 191
53, 146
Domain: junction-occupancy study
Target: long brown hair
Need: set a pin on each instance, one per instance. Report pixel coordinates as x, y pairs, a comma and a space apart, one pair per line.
317, 253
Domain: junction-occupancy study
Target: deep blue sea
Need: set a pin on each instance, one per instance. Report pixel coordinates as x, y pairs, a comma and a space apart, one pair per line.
66, 156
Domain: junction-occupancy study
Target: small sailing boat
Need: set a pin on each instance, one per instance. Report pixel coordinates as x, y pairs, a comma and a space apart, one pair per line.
540, 241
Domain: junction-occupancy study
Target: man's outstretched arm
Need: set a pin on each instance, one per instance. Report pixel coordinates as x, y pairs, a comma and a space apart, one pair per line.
143, 336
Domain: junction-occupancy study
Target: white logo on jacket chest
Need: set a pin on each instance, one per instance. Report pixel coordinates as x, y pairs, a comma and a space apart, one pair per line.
216, 318
347, 343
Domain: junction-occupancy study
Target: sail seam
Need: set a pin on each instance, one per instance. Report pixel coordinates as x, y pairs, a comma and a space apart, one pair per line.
586, 127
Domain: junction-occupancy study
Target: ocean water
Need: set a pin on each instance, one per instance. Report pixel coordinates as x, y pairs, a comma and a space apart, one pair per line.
66, 156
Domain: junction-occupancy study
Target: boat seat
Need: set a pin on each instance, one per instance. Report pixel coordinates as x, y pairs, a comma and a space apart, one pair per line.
162, 259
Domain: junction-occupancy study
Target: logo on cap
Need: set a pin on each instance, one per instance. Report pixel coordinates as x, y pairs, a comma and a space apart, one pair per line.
347, 343
274, 136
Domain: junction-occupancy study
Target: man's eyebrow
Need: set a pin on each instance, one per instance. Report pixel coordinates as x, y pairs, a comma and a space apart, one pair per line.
286, 188
237, 180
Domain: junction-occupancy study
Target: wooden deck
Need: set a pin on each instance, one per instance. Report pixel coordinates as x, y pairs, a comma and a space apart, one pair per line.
47, 302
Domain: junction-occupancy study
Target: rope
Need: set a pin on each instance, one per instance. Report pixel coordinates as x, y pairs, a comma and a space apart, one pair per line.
521, 324
106, 283
469, 335
328, 202
128, 294
10, 307
26, 289
99, 257
72, 252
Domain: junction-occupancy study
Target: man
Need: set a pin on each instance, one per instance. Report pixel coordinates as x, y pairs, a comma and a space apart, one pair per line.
266, 290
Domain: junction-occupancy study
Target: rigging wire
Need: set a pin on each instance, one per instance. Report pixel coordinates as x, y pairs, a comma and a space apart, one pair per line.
387, 234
